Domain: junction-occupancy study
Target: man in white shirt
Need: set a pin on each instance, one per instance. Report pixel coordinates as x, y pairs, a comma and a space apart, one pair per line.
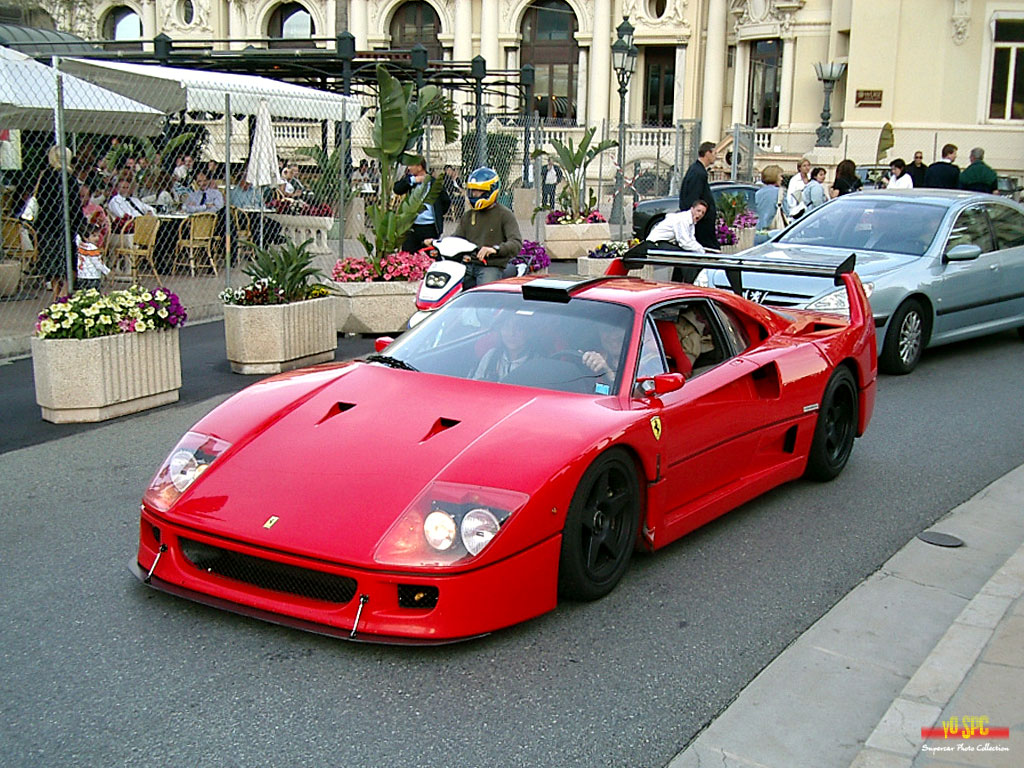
795, 205
205, 198
678, 228
125, 206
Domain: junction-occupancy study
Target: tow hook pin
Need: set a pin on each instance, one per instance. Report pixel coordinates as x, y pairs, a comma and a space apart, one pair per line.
159, 552
363, 600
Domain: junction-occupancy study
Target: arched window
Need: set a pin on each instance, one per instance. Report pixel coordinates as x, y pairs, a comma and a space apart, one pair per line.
291, 26
123, 27
416, 22
549, 44
38, 18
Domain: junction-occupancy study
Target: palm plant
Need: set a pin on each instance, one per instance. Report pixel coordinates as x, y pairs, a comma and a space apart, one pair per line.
288, 270
330, 167
401, 119
574, 161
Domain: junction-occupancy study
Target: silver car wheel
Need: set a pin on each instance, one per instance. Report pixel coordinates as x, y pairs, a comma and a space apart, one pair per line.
910, 337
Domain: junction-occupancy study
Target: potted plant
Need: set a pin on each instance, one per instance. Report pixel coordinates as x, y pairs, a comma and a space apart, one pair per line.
534, 256
97, 356
284, 318
376, 294
735, 225
569, 233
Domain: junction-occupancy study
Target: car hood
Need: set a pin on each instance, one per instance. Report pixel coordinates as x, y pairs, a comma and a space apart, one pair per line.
794, 290
339, 465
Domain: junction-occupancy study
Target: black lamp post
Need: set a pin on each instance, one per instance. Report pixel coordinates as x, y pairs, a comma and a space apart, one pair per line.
478, 71
828, 73
527, 77
624, 55
419, 63
346, 49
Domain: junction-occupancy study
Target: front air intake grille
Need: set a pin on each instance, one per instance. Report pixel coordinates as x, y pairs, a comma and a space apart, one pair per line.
417, 596
266, 574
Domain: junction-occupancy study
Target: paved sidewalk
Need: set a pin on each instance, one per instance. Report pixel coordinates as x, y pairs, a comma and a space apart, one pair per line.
936, 633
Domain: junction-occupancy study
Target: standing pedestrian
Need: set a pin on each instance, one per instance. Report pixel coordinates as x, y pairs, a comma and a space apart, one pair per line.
846, 179
429, 222
899, 179
768, 200
695, 187
814, 192
795, 191
51, 218
90, 258
917, 169
978, 177
552, 178
944, 173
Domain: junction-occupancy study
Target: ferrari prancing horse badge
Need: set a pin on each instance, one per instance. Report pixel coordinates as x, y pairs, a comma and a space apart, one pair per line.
656, 427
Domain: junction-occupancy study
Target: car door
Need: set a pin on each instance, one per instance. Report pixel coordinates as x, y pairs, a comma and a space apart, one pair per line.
709, 428
1008, 230
968, 289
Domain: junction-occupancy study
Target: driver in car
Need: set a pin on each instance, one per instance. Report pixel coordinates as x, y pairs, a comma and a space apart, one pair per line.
605, 361
514, 349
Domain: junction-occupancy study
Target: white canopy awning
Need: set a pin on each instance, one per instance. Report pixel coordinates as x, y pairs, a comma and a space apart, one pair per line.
170, 89
28, 96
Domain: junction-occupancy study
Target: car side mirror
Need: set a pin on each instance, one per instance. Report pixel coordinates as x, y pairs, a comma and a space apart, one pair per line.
662, 384
382, 343
964, 252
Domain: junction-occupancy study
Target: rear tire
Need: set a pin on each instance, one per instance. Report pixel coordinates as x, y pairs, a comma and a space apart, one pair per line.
904, 340
836, 428
600, 528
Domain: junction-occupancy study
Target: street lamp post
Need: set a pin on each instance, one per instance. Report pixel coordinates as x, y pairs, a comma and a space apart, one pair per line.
346, 49
478, 71
828, 73
624, 55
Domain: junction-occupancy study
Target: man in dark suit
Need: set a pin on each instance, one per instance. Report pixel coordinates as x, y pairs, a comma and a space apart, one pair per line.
944, 173
430, 221
917, 169
696, 187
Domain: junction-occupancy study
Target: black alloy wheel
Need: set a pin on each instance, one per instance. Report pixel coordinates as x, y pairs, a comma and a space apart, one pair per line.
836, 428
600, 528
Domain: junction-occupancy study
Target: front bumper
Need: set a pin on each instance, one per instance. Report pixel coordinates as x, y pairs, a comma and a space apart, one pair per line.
468, 604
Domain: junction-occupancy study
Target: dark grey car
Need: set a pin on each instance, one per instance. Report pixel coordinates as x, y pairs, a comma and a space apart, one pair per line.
939, 266
649, 212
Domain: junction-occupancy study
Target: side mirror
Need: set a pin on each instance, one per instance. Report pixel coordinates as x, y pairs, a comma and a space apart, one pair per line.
965, 252
661, 384
382, 343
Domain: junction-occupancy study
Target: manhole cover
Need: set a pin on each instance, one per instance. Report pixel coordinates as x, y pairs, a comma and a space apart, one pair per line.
940, 539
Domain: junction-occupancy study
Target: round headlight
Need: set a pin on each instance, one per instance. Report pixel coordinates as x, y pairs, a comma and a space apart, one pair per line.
479, 526
439, 530
183, 469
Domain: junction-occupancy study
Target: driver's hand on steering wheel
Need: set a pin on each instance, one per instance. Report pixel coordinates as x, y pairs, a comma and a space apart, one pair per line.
595, 361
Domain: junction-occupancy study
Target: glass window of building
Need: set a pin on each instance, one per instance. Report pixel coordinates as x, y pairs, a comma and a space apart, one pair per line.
123, 27
763, 91
549, 44
1007, 99
659, 84
417, 22
291, 26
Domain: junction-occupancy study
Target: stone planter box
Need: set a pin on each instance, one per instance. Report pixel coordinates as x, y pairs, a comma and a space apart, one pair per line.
301, 228
374, 307
280, 337
10, 276
594, 267
570, 241
85, 380
744, 240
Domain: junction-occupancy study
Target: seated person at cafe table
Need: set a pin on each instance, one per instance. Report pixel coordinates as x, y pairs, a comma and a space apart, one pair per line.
245, 197
125, 207
205, 198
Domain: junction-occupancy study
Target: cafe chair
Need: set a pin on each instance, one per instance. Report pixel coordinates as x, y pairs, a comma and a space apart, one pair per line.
241, 231
132, 254
195, 235
20, 242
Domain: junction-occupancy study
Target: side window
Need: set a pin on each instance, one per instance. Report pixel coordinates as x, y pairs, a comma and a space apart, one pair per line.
690, 336
971, 228
738, 337
652, 361
1008, 225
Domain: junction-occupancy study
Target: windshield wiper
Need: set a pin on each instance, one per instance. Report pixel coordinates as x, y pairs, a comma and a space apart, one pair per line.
391, 362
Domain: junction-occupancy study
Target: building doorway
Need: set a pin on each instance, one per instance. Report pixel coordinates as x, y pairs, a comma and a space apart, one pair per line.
765, 81
659, 85
549, 43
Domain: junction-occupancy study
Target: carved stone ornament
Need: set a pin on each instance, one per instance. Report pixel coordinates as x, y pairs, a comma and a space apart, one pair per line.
766, 12
172, 21
640, 11
961, 19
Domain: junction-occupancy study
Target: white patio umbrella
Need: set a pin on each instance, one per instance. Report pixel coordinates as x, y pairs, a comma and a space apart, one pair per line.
28, 96
262, 170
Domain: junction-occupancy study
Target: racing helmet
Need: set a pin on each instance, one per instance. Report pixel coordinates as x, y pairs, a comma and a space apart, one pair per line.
482, 188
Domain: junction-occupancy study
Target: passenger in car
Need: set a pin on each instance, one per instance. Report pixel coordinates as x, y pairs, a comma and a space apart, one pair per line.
514, 348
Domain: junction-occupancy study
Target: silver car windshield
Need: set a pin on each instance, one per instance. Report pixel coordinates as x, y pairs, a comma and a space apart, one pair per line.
498, 336
861, 223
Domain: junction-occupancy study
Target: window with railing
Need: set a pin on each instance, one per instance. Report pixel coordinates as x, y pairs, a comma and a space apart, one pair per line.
1007, 93
549, 44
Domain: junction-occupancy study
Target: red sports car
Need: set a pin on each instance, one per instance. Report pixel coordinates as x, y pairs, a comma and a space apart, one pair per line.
514, 447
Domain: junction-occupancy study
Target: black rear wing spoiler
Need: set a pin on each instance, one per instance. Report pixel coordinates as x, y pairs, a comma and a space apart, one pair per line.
639, 257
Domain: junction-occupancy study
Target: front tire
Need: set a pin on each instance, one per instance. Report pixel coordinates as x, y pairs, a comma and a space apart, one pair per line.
836, 427
600, 528
904, 340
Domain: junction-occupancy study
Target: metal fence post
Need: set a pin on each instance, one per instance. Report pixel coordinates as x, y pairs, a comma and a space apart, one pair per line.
227, 190
58, 129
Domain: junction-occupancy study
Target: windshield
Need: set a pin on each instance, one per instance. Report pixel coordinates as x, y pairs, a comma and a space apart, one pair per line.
860, 223
496, 336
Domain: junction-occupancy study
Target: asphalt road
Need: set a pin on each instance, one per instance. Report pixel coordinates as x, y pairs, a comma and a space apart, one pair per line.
97, 670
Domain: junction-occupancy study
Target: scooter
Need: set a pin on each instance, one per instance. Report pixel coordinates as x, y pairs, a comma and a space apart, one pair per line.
443, 280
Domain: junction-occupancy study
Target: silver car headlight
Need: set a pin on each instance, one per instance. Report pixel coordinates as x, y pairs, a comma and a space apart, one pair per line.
837, 301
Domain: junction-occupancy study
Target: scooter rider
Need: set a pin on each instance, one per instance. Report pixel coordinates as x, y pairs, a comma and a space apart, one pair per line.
491, 225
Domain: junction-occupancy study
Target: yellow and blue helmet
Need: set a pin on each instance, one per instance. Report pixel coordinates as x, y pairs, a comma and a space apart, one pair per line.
482, 188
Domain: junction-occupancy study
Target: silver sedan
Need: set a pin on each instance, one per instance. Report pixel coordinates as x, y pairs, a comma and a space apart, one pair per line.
939, 266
